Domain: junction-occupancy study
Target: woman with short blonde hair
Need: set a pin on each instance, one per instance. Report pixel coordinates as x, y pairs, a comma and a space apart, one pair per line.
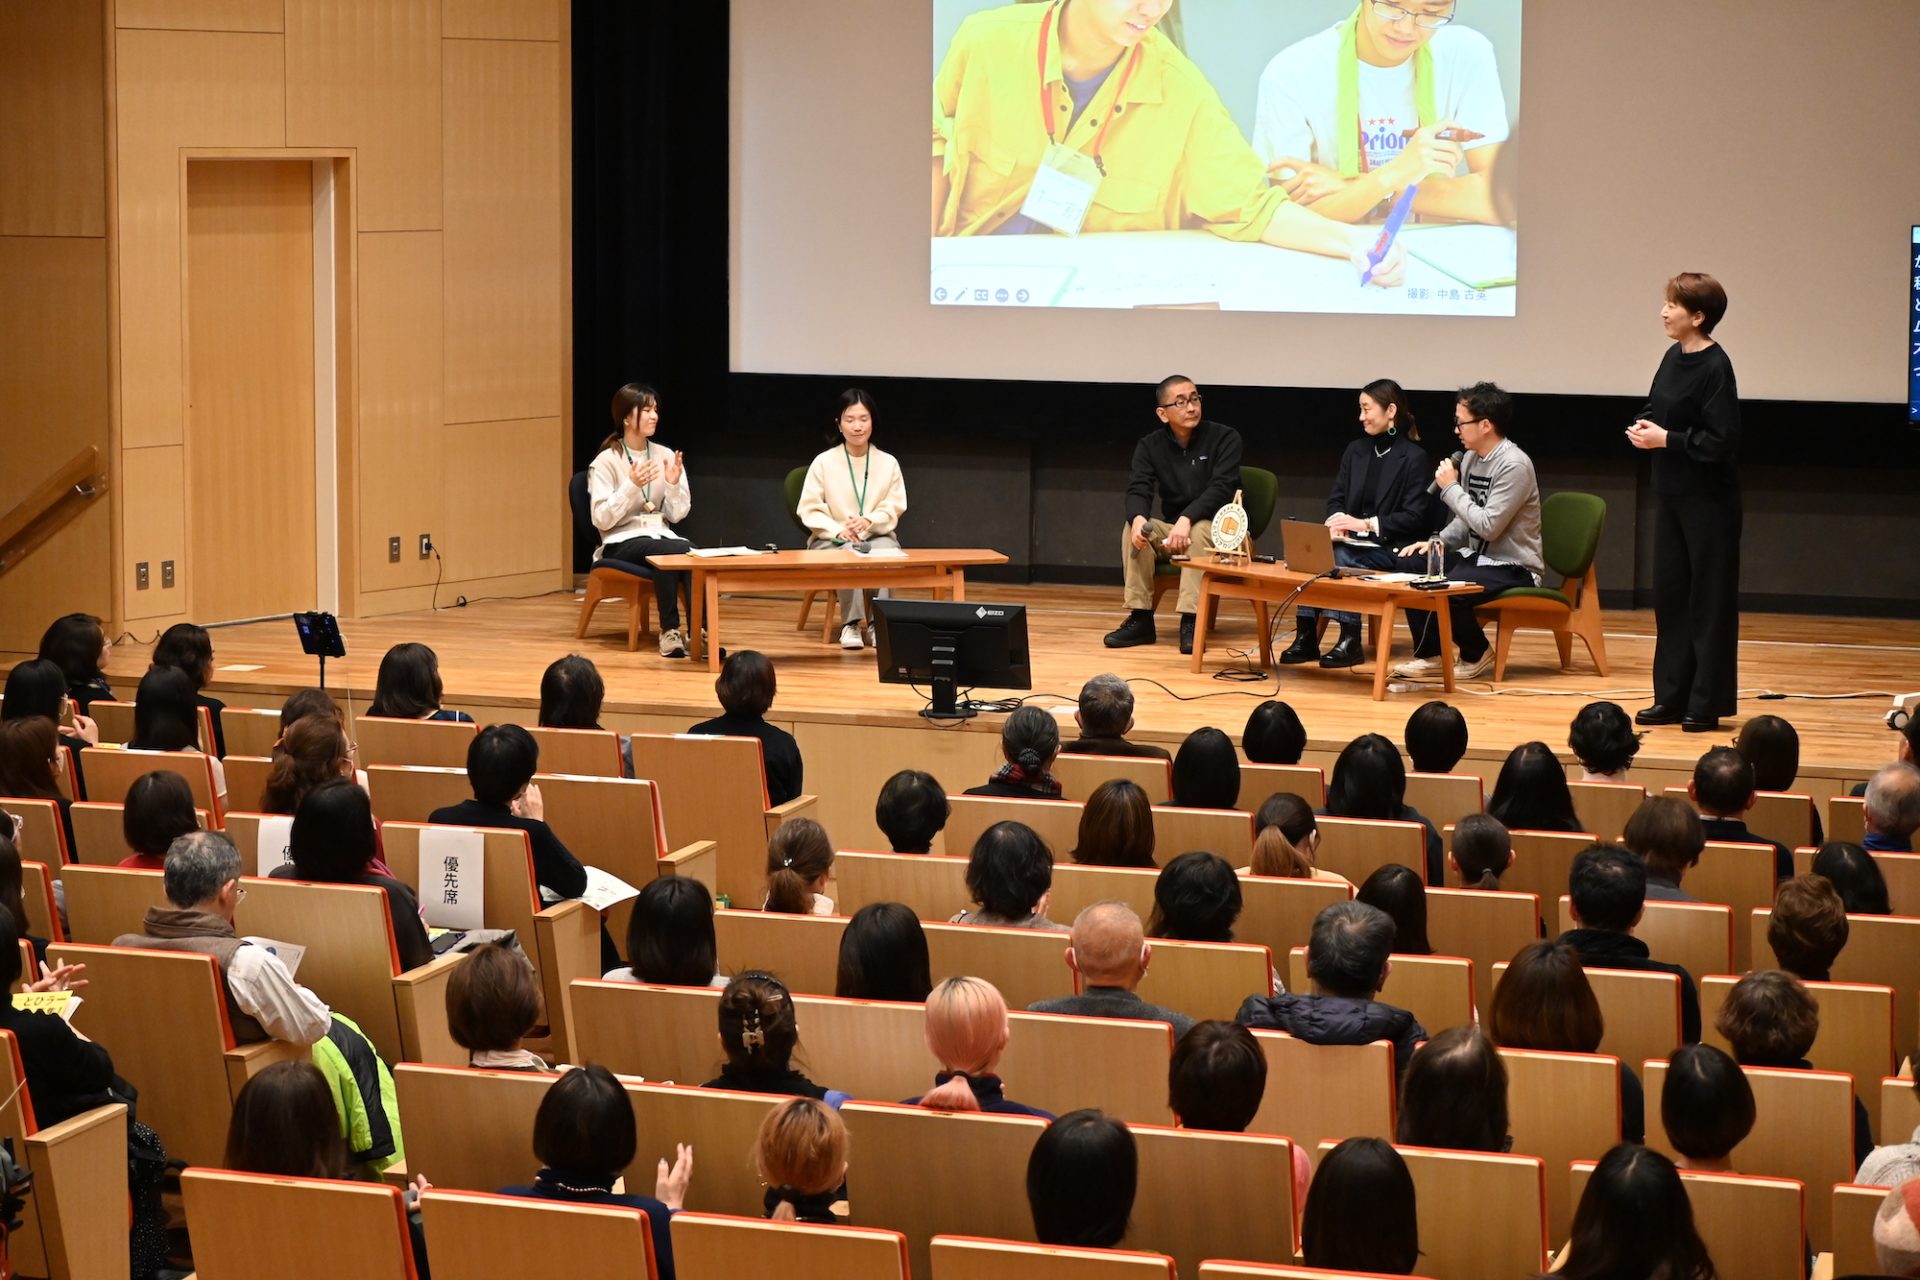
967, 1031
801, 1154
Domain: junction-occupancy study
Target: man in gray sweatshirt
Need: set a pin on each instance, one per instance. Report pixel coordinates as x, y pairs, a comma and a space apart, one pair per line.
1493, 538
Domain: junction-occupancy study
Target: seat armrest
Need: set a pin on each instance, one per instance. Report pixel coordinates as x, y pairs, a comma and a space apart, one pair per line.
80, 1192
420, 1000
798, 807
697, 861
249, 1060
567, 946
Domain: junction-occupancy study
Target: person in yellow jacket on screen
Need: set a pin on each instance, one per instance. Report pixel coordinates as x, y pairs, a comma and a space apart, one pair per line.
1093, 89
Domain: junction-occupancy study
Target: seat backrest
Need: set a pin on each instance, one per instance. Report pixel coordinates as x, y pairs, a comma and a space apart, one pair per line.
1205, 979
250, 1225
1027, 965
250, 731
793, 486
1278, 913
1847, 818
1325, 1093
615, 824
509, 899
411, 792
1543, 862
1076, 887
1080, 775
1641, 1010
1482, 1217
1056, 821
113, 718
1697, 936
438, 743
42, 836
1227, 832
473, 1234
1786, 816
99, 833
712, 788
804, 951
1901, 871
593, 753
1446, 797
1488, 927
934, 885
971, 1258
36, 899
1855, 1036
1169, 1218
1802, 1129
1437, 990
1752, 1226
1899, 1109
712, 1244
246, 780
1604, 807
1218, 1270
1854, 1208
579, 502
1570, 528
1880, 951
1357, 847
1258, 781
351, 958
105, 902
26, 1248
1740, 876
1562, 1107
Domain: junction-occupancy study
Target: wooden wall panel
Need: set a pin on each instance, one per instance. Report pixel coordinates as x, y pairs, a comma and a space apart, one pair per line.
503, 236
53, 127
175, 89
403, 468
367, 75
201, 15
503, 19
500, 516
153, 505
53, 402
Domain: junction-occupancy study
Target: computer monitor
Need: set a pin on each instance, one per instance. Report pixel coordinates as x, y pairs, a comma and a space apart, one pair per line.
946, 644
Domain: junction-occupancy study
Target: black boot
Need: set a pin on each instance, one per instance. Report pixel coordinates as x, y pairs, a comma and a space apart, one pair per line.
1137, 629
1305, 646
1346, 653
1186, 633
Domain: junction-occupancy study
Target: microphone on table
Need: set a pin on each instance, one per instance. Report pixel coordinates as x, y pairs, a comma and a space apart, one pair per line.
1456, 459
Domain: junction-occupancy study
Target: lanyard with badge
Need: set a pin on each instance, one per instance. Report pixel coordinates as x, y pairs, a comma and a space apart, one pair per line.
652, 523
1064, 184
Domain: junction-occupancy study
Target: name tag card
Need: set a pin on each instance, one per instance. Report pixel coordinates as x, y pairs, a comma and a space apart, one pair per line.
275, 844
452, 876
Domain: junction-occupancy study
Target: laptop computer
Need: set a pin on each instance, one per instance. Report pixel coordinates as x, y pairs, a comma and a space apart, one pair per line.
1307, 547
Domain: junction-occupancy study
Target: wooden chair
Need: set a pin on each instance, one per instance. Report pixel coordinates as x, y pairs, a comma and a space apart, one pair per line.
934, 885
74, 1224
1446, 797
710, 1244
1880, 951
1740, 876
1854, 1208
165, 1014
1437, 990
1482, 1217
1227, 832
249, 1225
1076, 888
1847, 818
437, 743
1168, 1218
410, 792
1486, 926
1217, 1270
1570, 525
246, 780
1080, 775
969, 1258
1318, 1093
714, 788
43, 837
1056, 821
1562, 1107
110, 771
251, 731
1357, 847
36, 899
1753, 1227
1786, 816
591, 753
472, 1234
1899, 1110
617, 825
1901, 871
1856, 1033
105, 902
1604, 807
113, 718
804, 951
1697, 936
1278, 913
1641, 1011
1543, 862
1258, 781
629, 588
99, 834
1803, 1129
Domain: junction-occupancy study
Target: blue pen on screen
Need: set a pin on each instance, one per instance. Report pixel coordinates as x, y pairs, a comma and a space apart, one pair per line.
1396, 218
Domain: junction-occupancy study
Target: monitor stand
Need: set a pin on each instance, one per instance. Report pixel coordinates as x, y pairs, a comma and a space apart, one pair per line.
944, 706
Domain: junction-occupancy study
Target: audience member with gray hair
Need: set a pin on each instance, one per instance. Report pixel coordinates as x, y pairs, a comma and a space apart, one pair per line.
1893, 809
1347, 963
202, 880
1105, 717
1111, 954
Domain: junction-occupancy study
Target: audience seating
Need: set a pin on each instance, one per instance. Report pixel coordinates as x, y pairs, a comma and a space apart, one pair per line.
246, 780
1786, 816
1080, 775
63, 776
164, 1017
105, 902
1255, 1271
1357, 847
714, 788
616, 824
1278, 913
1856, 1032
246, 1226
1604, 807
437, 743
251, 731
1641, 1010
1880, 951
1056, 821
99, 831
110, 771
74, 1225
1258, 781
473, 1234
1438, 990
1445, 797
1901, 871
411, 792
1754, 1227
711, 1244
1486, 926
968, 1258
1854, 1208
1227, 832
1899, 1110
36, 899
1697, 936
1543, 863
1740, 876
1562, 1107
804, 951
1847, 818
593, 753
934, 885
1318, 1093
1482, 1217
113, 718
1803, 1129
42, 836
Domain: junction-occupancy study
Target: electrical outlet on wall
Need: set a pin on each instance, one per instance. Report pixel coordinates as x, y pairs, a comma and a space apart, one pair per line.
140, 582
166, 575
393, 549
426, 545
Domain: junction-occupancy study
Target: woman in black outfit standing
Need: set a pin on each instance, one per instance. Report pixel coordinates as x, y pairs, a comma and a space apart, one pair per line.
1379, 498
1692, 421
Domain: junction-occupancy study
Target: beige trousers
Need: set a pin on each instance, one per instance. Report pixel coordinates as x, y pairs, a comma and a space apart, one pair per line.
1137, 563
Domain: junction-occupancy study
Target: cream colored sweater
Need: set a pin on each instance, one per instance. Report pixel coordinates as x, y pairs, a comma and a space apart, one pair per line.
831, 497
616, 500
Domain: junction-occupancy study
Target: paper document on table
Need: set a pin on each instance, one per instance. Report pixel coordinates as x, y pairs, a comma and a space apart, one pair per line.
604, 889
1477, 256
715, 553
885, 553
1390, 577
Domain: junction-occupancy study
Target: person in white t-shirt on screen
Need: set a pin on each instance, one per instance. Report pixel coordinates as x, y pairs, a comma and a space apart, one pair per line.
1336, 110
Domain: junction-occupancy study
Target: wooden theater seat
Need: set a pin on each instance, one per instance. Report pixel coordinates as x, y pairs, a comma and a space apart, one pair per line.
1357, 847
472, 1234
971, 1258
1437, 990
1326, 1093
1856, 1033
1753, 1227
1881, 951
99, 833
1604, 807
1227, 832
1445, 797
1562, 1107
1488, 927
110, 771
1543, 862
1258, 781
1697, 936
410, 793
1482, 1217
74, 1224
1641, 1011
1847, 818
1854, 1208
714, 788
246, 780
711, 1244
1080, 775
584, 752
435, 743
42, 836
247, 1225
1740, 876
1055, 821
1901, 871
250, 731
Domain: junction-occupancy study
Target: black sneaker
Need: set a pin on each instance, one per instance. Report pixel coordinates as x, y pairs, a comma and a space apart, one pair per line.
1186, 633
1305, 648
1137, 629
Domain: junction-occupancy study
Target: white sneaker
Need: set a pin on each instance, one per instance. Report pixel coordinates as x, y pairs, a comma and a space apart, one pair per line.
1464, 670
1418, 669
850, 637
673, 644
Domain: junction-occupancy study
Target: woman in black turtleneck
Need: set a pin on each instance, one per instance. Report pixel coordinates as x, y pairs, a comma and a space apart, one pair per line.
1379, 497
1692, 422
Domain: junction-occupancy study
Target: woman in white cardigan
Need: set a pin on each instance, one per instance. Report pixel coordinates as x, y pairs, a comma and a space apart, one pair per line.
639, 492
854, 496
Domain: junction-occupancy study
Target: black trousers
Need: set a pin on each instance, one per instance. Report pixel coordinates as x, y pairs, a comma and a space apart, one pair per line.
667, 583
1468, 634
1696, 604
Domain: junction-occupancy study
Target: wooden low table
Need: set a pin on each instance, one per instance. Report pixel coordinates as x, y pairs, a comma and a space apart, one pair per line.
943, 571
1270, 584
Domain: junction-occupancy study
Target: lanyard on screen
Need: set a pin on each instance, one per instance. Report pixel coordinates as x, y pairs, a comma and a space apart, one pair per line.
1046, 90
860, 485
1346, 106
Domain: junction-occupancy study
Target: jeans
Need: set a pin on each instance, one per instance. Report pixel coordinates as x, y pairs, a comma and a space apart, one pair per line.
1348, 557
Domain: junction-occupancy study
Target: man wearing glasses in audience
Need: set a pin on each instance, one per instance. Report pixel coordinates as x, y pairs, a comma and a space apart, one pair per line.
1396, 93
1194, 465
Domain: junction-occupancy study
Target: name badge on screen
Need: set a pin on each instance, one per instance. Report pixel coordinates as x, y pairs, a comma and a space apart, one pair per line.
1063, 188
653, 525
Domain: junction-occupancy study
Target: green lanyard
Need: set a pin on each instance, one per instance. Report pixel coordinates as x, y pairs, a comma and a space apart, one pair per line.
860, 485
646, 490
1346, 106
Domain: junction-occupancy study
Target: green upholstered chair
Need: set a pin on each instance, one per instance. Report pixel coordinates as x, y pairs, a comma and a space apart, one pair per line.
1570, 528
1259, 492
796, 481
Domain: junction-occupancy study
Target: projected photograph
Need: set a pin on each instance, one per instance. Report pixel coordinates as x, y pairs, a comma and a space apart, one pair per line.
1244, 155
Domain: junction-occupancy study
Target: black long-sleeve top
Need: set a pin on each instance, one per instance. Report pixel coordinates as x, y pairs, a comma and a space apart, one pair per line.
1386, 477
1694, 397
554, 866
1193, 482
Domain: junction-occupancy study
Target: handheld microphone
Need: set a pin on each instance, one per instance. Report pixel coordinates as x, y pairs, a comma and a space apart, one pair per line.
1456, 459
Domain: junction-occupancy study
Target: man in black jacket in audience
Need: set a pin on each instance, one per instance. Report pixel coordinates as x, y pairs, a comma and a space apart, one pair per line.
1608, 885
1347, 962
1723, 790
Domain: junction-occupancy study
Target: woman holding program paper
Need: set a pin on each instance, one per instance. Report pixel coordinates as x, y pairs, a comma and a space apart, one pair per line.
1081, 116
1394, 95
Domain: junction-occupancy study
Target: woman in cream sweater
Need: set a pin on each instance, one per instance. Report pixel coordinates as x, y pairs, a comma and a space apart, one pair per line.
639, 491
854, 497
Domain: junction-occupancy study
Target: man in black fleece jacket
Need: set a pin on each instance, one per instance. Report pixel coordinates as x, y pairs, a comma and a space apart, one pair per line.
1347, 961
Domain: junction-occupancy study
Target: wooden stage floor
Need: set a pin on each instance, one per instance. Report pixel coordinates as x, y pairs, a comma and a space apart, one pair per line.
492, 654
